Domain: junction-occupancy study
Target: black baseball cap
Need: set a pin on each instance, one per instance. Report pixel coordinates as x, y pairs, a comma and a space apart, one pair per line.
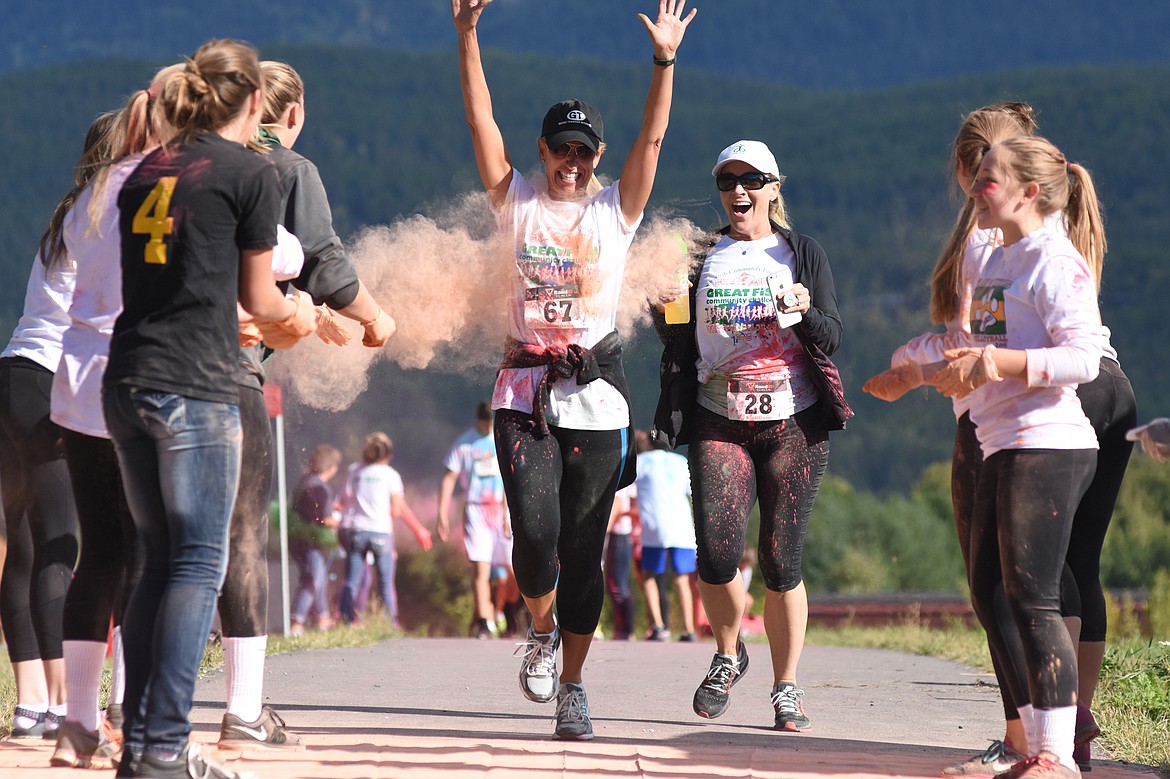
573, 120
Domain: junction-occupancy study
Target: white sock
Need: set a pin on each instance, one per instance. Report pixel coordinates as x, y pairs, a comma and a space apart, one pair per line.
1028, 721
244, 660
25, 722
117, 669
83, 680
1054, 733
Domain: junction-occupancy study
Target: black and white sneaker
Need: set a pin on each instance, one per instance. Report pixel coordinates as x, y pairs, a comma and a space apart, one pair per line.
714, 694
267, 732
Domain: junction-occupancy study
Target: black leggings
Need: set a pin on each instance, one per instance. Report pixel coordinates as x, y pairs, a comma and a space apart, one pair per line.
1020, 525
1109, 403
243, 600
966, 463
560, 491
107, 570
730, 462
39, 514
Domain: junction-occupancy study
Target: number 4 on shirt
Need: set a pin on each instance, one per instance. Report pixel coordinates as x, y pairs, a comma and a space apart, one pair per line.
152, 219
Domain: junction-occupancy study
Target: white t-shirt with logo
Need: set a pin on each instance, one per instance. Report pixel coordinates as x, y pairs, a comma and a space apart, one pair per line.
368, 490
570, 258
740, 342
1037, 295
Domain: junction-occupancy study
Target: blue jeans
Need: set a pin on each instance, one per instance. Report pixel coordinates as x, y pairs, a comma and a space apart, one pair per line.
311, 592
180, 461
378, 544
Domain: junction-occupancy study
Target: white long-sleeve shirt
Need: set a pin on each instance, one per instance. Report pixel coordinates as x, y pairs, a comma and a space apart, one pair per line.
1037, 295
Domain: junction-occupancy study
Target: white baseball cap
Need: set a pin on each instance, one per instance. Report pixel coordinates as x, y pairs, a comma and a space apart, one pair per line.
754, 153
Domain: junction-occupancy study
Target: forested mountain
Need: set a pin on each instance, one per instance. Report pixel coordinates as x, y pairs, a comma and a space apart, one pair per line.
835, 43
867, 176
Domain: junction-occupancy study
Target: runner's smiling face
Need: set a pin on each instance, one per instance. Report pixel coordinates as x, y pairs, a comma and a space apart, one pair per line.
747, 209
568, 168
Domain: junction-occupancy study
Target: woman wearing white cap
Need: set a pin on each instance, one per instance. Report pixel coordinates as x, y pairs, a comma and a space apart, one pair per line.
562, 412
748, 384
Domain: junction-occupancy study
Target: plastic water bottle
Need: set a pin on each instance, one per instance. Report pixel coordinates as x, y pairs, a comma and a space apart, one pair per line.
678, 311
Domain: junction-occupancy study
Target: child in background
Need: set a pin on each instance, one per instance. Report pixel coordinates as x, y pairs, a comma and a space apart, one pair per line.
373, 496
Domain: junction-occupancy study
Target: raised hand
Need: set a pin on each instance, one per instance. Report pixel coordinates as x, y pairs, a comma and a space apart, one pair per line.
465, 13
666, 32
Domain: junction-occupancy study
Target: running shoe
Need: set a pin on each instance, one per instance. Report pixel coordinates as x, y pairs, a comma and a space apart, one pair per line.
191, 763
714, 693
1086, 727
1083, 756
35, 730
111, 732
658, 633
267, 732
686, 637
789, 709
114, 716
573, 721
81, 748
1042, 766
996, 759
538, 673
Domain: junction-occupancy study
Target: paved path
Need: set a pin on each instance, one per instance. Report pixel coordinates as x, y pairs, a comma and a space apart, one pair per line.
451, 708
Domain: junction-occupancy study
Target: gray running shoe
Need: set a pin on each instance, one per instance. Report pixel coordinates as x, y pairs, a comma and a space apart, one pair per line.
267, 732
538, 673
996, 759
573, 721
191, 763
789, 710
80, 748
714, 693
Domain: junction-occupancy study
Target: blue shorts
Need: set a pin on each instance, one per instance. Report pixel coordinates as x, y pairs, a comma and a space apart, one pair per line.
682, 561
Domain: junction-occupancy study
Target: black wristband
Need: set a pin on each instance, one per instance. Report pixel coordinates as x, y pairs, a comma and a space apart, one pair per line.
664, 63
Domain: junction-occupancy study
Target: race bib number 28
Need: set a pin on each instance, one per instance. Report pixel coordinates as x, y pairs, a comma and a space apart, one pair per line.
759, 401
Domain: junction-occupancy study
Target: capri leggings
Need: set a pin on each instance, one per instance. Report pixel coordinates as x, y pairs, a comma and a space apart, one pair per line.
1020, 525
243, 601
1109, 403
560, 491
39, 513
730, 463
107, 569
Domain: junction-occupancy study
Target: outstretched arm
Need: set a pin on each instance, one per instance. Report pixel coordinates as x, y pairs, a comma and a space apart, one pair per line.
401, 510
446, 491
637, 179
495, 167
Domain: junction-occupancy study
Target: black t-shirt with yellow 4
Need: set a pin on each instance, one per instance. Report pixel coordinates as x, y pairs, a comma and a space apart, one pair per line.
187, 211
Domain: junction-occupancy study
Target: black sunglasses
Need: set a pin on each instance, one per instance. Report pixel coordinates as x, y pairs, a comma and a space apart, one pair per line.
727, 181
580, 151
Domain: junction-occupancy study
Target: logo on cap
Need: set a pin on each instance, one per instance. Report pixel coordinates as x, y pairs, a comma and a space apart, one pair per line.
576, 116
